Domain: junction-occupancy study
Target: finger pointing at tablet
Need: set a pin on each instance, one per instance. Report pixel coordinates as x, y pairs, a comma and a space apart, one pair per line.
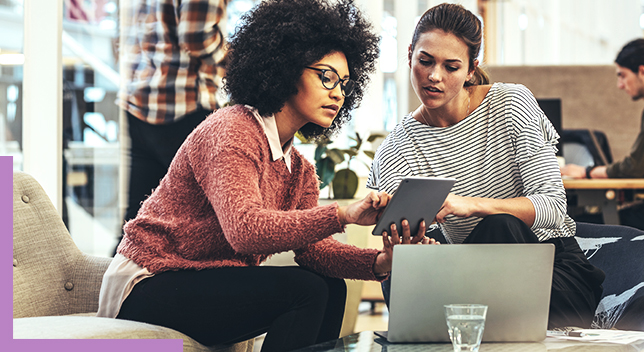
365, 211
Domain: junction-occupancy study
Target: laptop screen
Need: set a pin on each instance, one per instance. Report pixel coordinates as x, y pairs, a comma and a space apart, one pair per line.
514, 280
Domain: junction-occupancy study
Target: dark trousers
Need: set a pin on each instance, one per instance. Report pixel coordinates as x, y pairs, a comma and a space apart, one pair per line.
576, 284
294, 306
152, 148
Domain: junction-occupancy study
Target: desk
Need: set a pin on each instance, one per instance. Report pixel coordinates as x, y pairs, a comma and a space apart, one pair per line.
367, 341
603, 193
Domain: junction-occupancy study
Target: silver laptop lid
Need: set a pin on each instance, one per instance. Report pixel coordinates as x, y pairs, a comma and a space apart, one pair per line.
514, 280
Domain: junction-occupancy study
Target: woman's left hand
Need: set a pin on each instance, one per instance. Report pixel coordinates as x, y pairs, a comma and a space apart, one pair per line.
382, 266
463, 207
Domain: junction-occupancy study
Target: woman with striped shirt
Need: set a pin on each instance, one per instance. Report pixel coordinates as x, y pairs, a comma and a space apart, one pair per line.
499, 145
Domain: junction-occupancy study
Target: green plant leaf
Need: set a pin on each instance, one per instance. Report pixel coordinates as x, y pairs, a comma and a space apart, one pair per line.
375, 136
336, 155
319, 151
350, 152
325, 169
302, 138
345, 184
358, 141
327, 158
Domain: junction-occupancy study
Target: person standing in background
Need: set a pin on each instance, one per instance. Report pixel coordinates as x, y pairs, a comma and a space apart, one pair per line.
174, 55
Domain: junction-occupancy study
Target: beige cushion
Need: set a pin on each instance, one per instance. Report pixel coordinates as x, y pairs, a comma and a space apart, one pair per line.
87, 327
53, 279
51, 276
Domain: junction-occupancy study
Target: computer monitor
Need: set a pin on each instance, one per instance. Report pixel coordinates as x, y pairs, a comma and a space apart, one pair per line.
552, 108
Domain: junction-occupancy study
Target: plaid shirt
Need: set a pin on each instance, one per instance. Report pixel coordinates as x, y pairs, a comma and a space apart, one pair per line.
174, 58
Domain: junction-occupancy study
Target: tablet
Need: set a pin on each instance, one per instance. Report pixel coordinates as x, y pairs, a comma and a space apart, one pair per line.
417, 198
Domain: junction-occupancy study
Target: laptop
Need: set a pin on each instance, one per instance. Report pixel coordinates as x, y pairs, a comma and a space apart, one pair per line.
514, 280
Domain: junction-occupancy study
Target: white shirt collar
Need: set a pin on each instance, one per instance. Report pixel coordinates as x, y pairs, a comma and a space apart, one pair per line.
270, 129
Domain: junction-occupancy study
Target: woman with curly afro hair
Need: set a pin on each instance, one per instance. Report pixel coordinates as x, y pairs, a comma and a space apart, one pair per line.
238, 191
277, 43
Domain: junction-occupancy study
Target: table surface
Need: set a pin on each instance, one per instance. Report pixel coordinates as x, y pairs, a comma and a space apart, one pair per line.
367, 341
609, 183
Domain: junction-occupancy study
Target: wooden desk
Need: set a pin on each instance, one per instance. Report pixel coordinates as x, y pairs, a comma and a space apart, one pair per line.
603, 193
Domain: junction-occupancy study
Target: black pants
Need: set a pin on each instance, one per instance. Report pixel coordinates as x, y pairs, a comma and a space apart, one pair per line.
296, 307
152, 148
576, 284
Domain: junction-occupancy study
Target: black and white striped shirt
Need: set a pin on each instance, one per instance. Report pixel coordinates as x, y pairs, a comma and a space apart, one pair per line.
504, 149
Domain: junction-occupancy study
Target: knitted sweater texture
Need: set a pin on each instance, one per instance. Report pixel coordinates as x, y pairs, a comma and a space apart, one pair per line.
225, 202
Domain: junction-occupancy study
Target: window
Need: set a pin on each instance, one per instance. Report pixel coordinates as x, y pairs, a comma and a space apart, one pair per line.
11, 60
91, 148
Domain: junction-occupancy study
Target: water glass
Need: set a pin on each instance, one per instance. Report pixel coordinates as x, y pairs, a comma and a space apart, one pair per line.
465, 323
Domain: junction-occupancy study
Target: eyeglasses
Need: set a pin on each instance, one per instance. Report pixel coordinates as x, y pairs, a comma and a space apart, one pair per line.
330, 80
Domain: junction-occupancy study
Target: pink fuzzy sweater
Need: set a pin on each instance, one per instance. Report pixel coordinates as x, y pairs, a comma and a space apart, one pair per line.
225, 202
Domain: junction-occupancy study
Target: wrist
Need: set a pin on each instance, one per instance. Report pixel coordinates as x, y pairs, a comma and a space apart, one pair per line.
382, 276
380, 267
342, 215
589, 169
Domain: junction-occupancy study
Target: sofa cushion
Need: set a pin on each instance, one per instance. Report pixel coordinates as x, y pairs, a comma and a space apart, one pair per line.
617, 250
90, 327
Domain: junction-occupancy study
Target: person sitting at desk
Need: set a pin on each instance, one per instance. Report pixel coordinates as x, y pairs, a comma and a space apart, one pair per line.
237, 192
499, 145
630, 78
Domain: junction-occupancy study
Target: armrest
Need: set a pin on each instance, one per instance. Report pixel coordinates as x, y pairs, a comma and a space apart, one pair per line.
87, 278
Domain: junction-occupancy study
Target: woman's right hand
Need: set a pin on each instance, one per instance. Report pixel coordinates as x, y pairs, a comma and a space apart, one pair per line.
383, 262
365, 211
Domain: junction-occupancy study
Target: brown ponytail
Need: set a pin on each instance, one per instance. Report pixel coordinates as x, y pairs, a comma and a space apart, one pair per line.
479, 78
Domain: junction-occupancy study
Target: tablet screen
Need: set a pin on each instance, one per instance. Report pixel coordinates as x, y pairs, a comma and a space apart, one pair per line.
416, 199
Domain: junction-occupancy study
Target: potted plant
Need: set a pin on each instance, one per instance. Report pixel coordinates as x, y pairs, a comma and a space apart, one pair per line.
344, 182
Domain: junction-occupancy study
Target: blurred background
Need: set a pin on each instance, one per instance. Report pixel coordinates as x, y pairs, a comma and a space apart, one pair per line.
87, 179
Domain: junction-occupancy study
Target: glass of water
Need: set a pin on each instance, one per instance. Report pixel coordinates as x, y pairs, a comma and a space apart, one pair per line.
465, 323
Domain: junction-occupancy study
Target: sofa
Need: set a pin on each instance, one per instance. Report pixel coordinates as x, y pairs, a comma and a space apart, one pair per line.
56, 286
617, 250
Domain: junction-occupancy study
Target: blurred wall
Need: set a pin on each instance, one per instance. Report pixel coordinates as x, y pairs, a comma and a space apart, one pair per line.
589, 99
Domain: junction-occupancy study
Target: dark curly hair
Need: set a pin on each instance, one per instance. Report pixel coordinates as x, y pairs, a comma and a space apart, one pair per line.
277, 39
